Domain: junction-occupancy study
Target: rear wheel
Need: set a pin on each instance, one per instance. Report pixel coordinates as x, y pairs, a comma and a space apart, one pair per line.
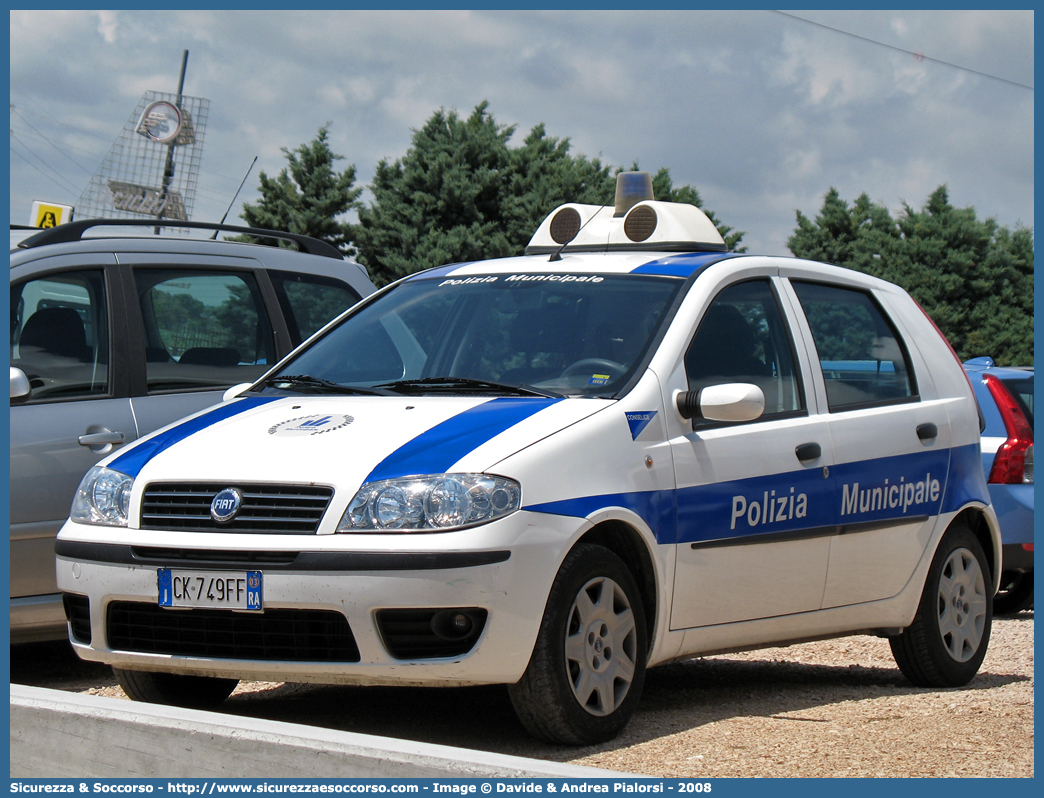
192, 692
1015, 594
588, 666
946, 643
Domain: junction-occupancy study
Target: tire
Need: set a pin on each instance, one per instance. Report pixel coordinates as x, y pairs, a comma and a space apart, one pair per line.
1015, 594
192, 692
945, 644
586, 673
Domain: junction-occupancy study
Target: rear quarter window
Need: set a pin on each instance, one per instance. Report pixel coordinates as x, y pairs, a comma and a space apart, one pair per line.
309, 301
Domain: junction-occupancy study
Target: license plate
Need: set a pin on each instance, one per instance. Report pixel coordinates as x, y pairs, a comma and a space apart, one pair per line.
230, 590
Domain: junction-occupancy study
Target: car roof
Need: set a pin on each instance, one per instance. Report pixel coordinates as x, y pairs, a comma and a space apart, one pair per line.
317, 257
74, 231
574, 266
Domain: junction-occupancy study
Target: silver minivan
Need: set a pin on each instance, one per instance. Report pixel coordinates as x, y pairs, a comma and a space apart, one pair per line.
113, 337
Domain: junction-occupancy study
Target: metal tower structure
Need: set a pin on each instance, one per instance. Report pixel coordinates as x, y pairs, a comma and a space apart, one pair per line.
152, 169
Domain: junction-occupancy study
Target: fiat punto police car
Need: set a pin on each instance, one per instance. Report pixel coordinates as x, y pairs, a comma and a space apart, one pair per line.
627, 447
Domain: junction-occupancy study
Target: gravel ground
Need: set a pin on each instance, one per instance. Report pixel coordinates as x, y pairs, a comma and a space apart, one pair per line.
836, 708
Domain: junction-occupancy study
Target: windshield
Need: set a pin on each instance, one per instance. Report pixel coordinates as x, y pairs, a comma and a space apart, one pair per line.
582, 336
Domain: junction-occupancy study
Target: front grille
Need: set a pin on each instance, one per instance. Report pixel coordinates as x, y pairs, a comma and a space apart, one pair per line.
430, 633
279, 509
274, 635
78, 614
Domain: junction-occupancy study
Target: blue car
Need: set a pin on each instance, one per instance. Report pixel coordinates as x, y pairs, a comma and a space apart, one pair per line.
1005, 396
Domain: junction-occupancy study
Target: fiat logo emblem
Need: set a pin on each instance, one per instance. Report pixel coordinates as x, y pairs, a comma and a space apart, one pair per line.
225, 506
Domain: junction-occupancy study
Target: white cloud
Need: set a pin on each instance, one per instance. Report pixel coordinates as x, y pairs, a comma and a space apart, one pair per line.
332, 96
108, 23
361, 89
40, 28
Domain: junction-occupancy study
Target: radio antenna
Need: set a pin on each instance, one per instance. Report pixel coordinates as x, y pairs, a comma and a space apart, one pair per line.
249, 169
557, 254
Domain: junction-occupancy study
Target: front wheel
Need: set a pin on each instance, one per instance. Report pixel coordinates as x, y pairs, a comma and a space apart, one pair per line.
192, 692
946, 643
588, 666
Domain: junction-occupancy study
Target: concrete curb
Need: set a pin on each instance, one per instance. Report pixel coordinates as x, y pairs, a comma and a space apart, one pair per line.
70, 735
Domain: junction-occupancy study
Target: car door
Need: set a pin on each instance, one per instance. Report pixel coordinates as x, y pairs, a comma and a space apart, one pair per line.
65, 336
891, 439
202, 325
754, 498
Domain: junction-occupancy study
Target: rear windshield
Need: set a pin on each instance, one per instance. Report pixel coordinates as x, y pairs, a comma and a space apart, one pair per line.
570, 335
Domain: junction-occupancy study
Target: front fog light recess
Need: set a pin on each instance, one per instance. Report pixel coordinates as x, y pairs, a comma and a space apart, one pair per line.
103, 497
430, 503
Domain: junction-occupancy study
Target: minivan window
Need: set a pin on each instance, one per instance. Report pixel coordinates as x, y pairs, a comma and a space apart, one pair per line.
60, 334
202, 329
310, 301
862, 355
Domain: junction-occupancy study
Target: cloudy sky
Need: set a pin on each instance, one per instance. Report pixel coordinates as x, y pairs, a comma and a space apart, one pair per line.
762, 111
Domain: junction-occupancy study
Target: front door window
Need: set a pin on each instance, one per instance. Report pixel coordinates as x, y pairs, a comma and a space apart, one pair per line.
59, 335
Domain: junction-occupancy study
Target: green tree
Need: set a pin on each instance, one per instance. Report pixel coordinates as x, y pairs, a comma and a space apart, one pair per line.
973, 276
461, 193
308, 196
542, 176
440, 203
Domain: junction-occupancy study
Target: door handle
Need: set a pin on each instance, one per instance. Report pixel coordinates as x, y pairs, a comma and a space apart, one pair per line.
927, 432
100, 438
808, 451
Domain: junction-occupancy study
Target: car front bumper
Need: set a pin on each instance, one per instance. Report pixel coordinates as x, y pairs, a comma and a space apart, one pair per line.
503, 569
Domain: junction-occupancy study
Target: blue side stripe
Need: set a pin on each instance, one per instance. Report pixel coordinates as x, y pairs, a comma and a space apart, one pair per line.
705, 512
655, 507
437, 449
134, 459
682, 265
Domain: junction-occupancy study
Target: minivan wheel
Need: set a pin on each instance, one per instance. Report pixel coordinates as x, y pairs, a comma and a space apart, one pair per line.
1015, 594
946, 643
588, 666
192, 692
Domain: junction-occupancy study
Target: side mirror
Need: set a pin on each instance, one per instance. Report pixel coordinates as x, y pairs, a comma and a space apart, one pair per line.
731, 401
235, 391
19, 384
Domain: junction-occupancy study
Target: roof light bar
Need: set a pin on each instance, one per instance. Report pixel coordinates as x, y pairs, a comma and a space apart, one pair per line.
643, 224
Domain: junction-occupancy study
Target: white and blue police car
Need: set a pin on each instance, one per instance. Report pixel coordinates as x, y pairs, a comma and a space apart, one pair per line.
628, 447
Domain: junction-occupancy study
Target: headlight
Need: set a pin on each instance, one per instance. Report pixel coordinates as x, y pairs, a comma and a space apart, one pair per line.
430, 503
102, 498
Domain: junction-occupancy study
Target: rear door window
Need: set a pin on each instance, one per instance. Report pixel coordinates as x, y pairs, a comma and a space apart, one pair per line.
202, 329
863, 358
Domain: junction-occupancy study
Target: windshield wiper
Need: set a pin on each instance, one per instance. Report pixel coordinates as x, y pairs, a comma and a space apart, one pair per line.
458, 384
321, 386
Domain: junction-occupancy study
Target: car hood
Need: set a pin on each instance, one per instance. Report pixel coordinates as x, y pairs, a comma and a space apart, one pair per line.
346, 441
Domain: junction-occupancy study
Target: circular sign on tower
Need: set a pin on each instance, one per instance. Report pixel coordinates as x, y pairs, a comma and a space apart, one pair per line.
161, 122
